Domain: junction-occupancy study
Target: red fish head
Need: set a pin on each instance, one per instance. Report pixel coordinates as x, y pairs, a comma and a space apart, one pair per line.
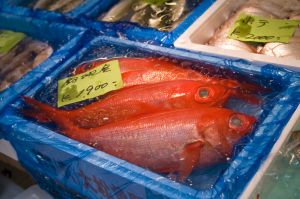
237, 126
222, 129
218, 94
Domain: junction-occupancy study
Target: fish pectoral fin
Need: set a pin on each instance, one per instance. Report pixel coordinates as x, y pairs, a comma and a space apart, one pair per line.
189, 159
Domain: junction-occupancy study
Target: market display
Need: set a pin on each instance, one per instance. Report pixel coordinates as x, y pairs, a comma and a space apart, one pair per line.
163, 15
109, 113
269, 9
17, 61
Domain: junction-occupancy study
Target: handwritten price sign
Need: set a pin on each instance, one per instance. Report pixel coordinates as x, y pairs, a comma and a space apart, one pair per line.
8, 39
259, 29
95, 82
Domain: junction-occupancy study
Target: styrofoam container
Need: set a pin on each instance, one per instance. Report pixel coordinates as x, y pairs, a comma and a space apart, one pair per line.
7, 149
33, 192
198, 34
251, 191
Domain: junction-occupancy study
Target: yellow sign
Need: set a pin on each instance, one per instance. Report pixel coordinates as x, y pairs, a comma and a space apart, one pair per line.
8, 39
95, 82
259, 29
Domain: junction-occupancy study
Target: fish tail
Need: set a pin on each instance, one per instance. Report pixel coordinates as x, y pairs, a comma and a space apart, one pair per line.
45, 113
39, 116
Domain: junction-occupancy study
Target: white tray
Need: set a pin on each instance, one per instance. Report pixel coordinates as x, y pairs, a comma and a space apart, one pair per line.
256, 181
195, 37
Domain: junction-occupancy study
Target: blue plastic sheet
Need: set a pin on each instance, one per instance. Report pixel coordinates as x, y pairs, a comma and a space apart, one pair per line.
67, 168
63, 38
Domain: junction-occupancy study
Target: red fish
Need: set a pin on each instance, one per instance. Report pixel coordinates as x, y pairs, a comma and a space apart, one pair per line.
139, 100
173, 141
136, 71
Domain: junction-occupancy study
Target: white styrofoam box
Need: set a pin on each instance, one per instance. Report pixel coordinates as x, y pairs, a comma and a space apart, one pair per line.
8, 189
33, 192
198, 34
292, 125
7, 149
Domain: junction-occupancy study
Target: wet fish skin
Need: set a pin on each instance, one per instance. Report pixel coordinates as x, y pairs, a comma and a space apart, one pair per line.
171, 141
276, 8
290, 50
42, 4
70, 6
7, 58
117, 12
139, 100
28, 54
42, 56
33, 47
58, 4
137, 71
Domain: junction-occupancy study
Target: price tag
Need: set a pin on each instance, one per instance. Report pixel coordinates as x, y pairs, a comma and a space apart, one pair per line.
95, 82
8, 39
260, 29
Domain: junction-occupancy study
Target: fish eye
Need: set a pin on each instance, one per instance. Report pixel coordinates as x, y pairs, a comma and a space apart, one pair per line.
203, 93
235, 121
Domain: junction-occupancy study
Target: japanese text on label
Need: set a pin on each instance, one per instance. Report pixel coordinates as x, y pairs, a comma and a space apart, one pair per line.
259, 29
95, 82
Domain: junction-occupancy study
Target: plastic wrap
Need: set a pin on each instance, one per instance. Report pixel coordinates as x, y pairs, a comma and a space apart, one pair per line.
63, 39
68, 168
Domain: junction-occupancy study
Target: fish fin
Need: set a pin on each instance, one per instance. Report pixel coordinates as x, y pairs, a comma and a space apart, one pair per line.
53, 114
190, 158
40, 117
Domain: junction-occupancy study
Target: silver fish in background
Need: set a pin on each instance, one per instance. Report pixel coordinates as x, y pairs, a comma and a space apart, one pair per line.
274, 7
57, 5
291, 151
277, 9
41, 4
21, 59
118, 12
220, 37
289, 50
70, 6
163, 17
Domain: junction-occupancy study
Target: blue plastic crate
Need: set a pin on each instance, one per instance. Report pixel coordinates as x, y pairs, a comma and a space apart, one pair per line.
68, 168
135, 32
64, 39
